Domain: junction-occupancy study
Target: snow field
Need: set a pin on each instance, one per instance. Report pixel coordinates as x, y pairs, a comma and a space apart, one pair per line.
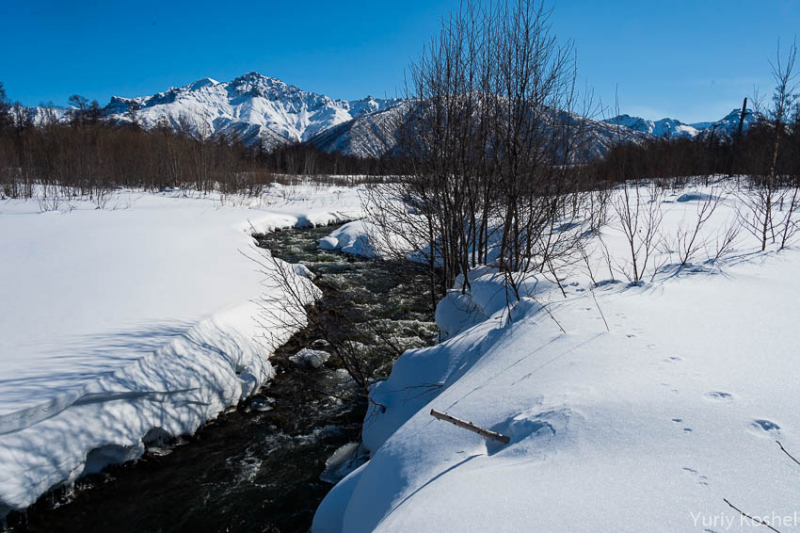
124, 323
646, 425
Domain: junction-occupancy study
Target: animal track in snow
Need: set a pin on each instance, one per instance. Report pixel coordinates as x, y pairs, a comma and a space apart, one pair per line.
720, 396
701, 479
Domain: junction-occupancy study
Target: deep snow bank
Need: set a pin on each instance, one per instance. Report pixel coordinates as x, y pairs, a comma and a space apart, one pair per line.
647, 426
120, 322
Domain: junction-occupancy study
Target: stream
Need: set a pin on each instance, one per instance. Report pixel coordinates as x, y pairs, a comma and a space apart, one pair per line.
258, 466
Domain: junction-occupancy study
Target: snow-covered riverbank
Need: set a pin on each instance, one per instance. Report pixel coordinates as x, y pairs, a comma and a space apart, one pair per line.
642, 426
119, 323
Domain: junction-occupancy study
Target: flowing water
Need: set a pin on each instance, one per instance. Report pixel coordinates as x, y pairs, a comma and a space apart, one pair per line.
257, 467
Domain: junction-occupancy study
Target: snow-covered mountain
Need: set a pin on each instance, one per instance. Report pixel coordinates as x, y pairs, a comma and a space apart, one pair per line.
41, 115
725, 128
253, 107
375, 134
370, 135
259, 110
666, 127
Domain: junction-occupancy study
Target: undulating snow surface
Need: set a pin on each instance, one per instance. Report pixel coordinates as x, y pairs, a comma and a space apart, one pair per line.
125, 321
646, 426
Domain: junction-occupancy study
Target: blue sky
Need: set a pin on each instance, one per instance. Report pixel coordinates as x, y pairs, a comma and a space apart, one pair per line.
692, 60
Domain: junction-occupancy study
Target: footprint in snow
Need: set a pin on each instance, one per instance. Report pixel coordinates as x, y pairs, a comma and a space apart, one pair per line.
764, 428
720, 396
701, 479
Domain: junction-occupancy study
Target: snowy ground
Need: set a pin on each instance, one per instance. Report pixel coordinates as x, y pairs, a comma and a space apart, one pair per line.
646, 427
131, 319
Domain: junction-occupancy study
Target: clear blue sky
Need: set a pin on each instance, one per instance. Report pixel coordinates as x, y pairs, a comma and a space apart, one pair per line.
692, 60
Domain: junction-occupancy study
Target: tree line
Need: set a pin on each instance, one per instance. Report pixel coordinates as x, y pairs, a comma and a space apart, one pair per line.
750, 155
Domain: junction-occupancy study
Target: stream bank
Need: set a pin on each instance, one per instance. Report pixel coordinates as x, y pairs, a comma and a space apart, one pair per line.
257, 467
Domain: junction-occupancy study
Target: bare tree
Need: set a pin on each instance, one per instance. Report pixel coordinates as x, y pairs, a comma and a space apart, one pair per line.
5, 110
490, 140
80, 106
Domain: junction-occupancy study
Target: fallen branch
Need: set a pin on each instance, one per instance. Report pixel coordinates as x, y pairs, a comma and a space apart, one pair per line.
752, 518
469, 426
787, 453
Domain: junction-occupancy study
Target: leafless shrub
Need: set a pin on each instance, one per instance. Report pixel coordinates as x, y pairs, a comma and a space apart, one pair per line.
688, 238
788, 224
639, 216
724, 241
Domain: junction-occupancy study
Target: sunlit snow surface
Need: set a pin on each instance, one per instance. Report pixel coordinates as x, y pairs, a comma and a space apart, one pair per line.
137, 316
643, 428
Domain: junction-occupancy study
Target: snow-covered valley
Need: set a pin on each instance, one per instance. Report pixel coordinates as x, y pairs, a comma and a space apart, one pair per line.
629, 406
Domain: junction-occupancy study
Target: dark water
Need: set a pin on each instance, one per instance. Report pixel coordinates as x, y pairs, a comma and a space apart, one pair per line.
258, 467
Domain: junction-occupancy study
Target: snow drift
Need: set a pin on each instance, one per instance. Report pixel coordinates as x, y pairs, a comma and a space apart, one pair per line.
124, 324
646, 425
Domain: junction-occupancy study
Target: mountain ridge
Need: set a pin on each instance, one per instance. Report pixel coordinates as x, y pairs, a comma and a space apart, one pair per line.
256, 107
671, 128
264, 111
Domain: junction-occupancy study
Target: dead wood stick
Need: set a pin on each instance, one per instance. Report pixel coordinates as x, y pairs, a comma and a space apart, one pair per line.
752, 518
787, 453
469, 426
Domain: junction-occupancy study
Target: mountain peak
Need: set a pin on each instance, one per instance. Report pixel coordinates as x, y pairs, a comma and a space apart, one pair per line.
203, 82
672, 128
255, 108
258, 85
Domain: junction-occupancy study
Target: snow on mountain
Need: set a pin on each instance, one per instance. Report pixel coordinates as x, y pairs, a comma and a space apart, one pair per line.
42, 115
597, 137
700, 125
253, 107
726, 127
262, 110
666, 127
370, 135
375, 134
